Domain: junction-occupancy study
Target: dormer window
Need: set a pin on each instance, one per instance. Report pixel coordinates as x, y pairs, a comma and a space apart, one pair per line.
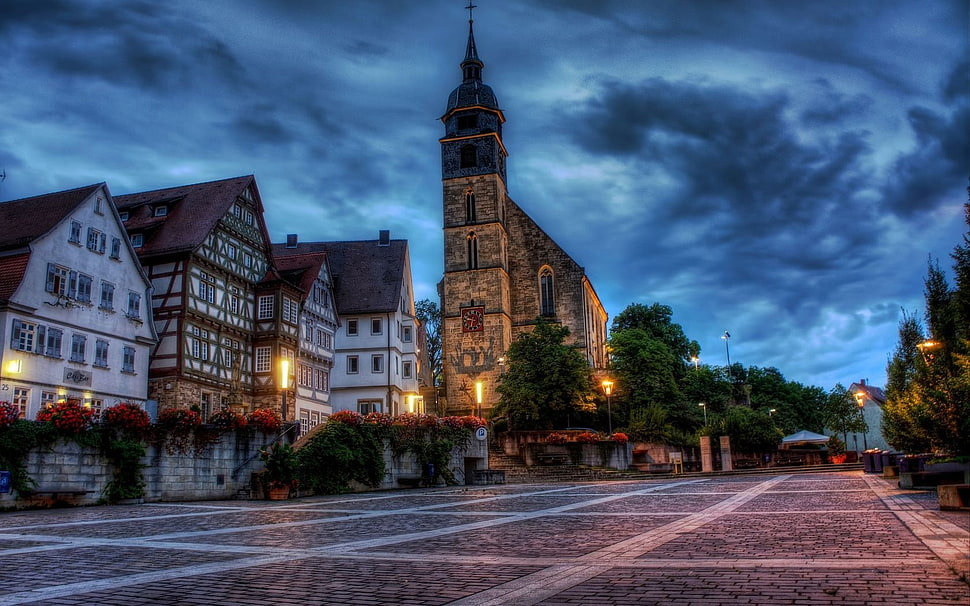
123, 215
99, 205
161, 211
137, 240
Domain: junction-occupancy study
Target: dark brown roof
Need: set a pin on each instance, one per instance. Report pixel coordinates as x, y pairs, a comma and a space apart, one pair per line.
366, 277
193, 212
300, 269
27, 219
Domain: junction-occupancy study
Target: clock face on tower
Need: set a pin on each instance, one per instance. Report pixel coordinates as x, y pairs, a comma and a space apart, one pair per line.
473, 319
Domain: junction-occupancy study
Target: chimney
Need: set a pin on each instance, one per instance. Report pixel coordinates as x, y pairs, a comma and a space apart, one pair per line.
291, 240
862, 382
384, 237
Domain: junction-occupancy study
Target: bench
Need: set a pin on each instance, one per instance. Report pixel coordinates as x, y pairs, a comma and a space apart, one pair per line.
410, 481
953, 496
746, 463
784, 461
56, 494
552, 459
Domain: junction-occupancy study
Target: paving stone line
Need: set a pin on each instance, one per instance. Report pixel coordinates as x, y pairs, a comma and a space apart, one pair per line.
949, 542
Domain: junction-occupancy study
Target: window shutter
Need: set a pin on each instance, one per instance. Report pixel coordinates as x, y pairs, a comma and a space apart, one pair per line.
50, 278
72, 284
15, 336
41, 340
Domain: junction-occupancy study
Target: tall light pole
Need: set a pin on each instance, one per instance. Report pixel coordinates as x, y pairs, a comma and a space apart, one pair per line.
479, 386
696, 361
860, 399
704, 406
727, 350
608, 390
284, 383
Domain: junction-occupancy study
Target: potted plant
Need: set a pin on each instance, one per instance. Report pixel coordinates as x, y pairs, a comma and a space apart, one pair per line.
279, 477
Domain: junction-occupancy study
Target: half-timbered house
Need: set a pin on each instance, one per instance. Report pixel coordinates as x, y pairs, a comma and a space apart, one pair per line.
318, 326
74, 323
206, 249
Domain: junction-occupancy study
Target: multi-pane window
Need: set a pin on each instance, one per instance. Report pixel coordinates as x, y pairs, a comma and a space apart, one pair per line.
352, 327
291, 310
75, 237
21, 398
406, 369
304, 421
58, 279
47, 399
376, 326
207, 290
321, 379
353, 365
96, 405
78, 343
200, 345
406, 334
234, 299
264, 309
128, 359
107, 296
115, 248
305, 375
99, 205
134, 305
230, 352
137, 240
377, 363
368, 406
308, 330
231, 251
96, 240
22, 335
101, 353
248, 259
263, 359
205, 404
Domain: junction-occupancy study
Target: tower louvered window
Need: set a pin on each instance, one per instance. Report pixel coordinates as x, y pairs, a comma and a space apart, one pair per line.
472, 242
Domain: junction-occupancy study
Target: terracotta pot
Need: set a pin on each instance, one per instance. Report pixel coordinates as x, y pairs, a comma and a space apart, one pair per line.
279, 493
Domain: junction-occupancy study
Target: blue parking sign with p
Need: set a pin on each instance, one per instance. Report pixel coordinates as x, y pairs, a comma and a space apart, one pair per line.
4, 481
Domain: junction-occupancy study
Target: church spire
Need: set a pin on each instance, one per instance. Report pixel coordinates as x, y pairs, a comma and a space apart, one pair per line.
472, 66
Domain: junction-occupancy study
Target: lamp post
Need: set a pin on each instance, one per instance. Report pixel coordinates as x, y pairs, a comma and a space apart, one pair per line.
696, 361
727, 350
608, 390
284, 383
860, 399
925, 345
704, 406
479, 386
771, 412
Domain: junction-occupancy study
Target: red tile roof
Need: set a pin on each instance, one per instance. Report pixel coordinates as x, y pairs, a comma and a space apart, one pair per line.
367, 278
193, 211
27, 219
12, 270
301, 268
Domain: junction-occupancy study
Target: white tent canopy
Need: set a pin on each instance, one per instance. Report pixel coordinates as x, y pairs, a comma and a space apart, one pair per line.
804, 437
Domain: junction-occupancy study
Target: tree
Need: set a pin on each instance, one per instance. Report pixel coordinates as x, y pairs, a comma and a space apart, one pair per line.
751, 431
546, 382
842, 414
928, 391
655, 320
428, 312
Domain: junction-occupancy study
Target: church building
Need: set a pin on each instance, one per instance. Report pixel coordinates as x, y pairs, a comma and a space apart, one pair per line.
501, 270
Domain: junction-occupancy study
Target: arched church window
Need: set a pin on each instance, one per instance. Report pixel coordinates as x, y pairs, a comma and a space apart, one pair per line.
469, 156
472, 242
547, 299
471, 212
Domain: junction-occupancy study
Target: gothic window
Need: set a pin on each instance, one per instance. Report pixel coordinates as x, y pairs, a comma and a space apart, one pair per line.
469, 156
546, 294
472, 242
471, 212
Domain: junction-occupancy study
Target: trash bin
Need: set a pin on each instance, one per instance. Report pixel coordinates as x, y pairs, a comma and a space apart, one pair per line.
867, 461
429, 470
888, 458
876, 461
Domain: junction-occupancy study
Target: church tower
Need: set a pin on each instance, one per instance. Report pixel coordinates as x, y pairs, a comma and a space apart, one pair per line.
502, 270
476, 324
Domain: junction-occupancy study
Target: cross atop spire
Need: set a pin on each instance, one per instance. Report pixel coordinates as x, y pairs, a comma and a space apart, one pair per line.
470, 8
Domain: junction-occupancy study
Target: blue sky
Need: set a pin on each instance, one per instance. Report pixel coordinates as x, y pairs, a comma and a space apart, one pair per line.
780, 170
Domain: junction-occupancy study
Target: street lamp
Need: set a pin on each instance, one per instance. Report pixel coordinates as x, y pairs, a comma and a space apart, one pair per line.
696, 361
771, 412
927, 345
704, 406
284, 383
727, 350
608, 390
479, 386
860, 398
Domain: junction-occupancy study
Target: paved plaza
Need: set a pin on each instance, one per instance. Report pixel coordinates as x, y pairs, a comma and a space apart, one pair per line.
833, 538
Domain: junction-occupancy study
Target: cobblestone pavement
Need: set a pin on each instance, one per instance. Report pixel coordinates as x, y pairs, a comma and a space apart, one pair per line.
834, 538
